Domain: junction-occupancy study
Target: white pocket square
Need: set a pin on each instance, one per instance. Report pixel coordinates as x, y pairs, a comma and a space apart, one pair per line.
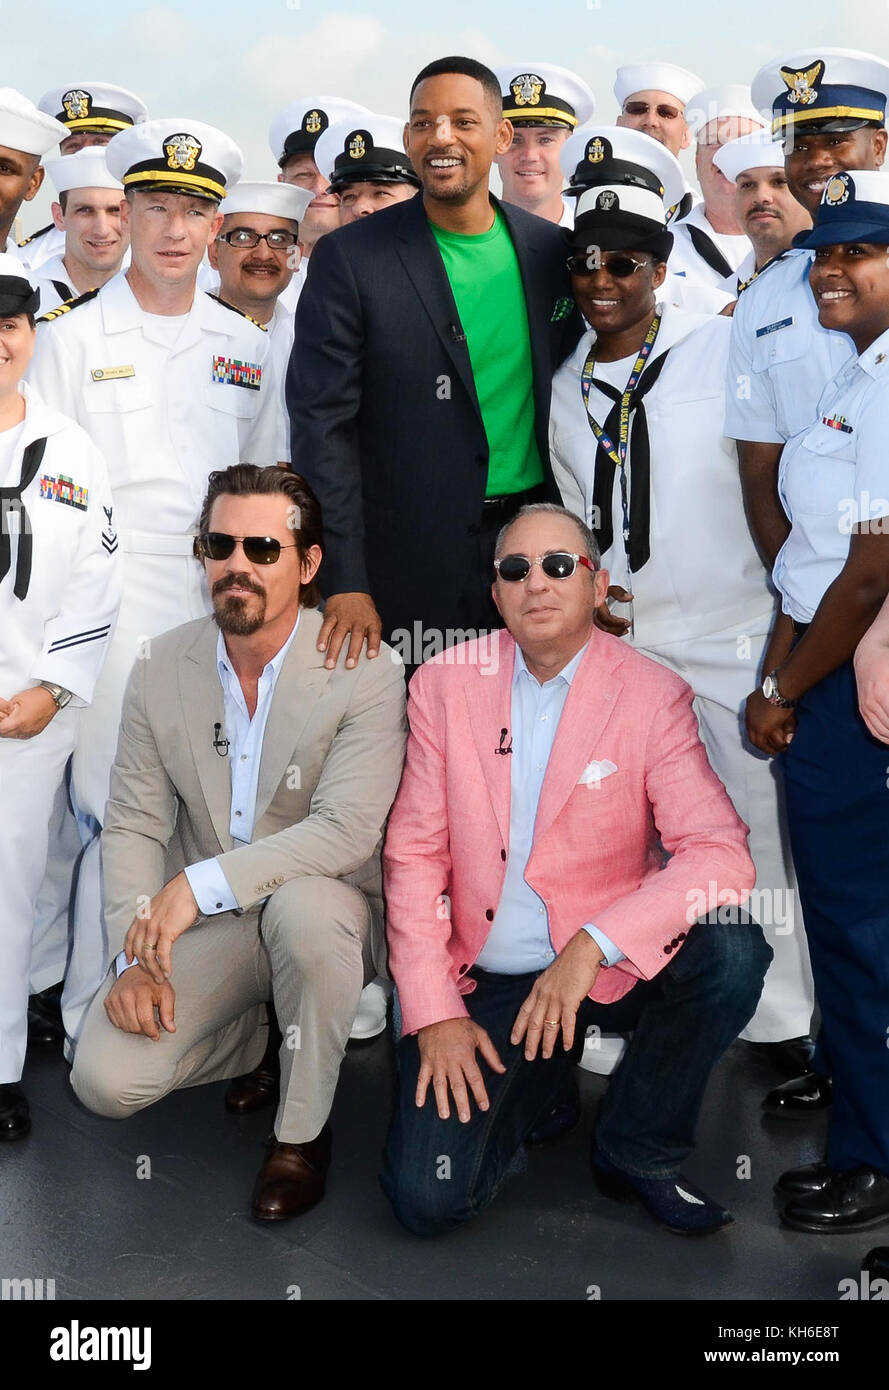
595, 771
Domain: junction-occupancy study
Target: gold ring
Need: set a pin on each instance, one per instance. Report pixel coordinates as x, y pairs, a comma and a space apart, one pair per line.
550, 1023
147, 948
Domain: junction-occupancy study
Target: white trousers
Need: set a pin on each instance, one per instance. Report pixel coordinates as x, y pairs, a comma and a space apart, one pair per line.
160, 591
31, 772
722, 669
49, 950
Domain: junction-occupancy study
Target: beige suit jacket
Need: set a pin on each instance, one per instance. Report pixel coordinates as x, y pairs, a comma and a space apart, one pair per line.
331, 762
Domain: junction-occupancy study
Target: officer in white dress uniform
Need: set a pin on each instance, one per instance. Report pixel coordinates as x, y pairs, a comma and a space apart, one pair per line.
293, 136
766, 208
545, 104
652, 98
171, 384
669, 519
254, 256
92, 113
709, 241
88, 214
26, 135
59, 591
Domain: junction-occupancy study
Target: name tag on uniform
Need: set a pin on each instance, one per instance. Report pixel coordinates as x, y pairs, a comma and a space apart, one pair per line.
774, 327
111, 373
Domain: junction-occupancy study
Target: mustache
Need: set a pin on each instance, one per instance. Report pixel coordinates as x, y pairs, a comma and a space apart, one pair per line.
236, 581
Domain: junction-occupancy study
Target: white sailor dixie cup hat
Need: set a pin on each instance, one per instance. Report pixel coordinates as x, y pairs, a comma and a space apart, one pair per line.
854, 207
24, 127
93, 106
175, 154
543, 94
656, 77
364, 148
273, 199
717, 103
87, 168
296, 129
819, 90
758, 150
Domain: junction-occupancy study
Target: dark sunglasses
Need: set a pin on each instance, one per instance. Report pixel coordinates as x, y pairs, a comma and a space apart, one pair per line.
559, 564
642, 108
620, 267
259, 550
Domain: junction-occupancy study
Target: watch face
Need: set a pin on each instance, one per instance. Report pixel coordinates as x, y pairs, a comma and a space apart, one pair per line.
768, 687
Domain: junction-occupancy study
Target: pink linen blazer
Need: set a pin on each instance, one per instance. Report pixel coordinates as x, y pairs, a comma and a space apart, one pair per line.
601, 838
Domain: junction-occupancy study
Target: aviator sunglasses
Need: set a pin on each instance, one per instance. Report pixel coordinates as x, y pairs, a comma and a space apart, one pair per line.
259, 550
558, 564
620, 267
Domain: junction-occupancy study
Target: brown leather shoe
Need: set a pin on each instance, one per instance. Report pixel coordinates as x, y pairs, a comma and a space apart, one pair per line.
291, 1180
253, 1091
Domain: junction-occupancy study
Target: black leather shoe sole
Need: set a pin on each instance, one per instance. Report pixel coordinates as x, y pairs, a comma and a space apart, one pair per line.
831, 1228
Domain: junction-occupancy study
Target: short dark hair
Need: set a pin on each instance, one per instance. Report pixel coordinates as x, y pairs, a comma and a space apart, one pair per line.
63, 200
468, 67
249, 480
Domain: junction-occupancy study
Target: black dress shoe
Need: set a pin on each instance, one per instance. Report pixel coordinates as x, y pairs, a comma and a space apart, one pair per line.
811, 1177
876, 1262
560, 1119
15, 1117
45, 1027
795, 1100
790, 1058
852, 1201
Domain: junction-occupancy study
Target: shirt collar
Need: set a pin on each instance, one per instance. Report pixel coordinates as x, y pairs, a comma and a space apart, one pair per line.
875, 359
224, 665
566, 674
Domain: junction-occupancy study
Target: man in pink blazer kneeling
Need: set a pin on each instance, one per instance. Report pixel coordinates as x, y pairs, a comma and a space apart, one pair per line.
560, 854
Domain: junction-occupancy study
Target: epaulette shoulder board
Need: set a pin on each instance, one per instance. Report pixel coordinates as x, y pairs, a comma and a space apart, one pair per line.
235, 310
68, 305
756, 274
34, 235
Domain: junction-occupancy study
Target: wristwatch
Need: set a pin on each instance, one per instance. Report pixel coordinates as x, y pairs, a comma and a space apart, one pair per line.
772, 693
58, 692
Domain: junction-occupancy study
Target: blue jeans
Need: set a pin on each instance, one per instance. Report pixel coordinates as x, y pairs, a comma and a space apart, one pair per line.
439, 1173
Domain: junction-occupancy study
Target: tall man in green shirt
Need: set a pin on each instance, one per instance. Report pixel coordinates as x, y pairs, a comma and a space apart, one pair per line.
419, 384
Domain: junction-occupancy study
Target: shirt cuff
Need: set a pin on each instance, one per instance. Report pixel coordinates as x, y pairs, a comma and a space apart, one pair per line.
211, 888
611, 952
121, 963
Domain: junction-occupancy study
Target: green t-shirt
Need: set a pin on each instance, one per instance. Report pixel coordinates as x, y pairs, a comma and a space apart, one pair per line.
490, 298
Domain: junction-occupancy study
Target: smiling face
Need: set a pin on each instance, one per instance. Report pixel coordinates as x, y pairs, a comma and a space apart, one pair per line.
611, 303
359, 200
851, 288
92, 225
816, 158
453, 136
20, 177
768, 211
254, 275
543, 613
530, 167
169, 233
323, 213
16, 350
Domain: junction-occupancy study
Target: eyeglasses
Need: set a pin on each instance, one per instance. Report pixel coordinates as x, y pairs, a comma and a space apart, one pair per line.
241, 238
259, 550
558, 564
642, 108
620, 267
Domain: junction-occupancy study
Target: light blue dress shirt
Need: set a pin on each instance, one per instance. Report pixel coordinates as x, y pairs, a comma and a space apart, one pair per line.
209, 884
519, 940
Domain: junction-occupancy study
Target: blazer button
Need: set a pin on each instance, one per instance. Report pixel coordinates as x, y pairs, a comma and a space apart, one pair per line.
675, 942
503, 855
667, 949
490, 914
682, 936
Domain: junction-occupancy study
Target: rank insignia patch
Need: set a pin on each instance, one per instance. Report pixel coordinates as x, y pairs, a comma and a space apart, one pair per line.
229, 371
64, 490
803, 90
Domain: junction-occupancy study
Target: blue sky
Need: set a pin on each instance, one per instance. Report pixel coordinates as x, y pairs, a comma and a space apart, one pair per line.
235, 63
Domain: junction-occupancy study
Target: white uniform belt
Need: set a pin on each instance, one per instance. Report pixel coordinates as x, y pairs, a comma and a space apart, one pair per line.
154, 543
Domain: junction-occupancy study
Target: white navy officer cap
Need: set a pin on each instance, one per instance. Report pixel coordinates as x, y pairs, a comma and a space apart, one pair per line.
656, 77
284, 200
296, 129
624, 182
854, 207
93, 106
86, 168
364, 149
820, 90
17, 294
716, 103
177, 155
758, 150
26, 128
543, 94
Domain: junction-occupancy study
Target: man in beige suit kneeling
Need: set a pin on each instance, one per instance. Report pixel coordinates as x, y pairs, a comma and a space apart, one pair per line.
248, 799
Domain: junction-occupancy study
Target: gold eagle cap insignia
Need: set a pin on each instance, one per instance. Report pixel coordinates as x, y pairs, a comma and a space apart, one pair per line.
802, 84
357, 147
77, 104
313, 123
527, 89
182, 151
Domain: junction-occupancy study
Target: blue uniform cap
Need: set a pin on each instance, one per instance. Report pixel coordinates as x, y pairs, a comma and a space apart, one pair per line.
854, 207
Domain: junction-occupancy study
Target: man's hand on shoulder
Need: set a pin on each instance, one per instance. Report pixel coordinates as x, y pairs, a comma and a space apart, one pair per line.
150, 938
556, 996
447, 1059
132, 1000
353, 616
